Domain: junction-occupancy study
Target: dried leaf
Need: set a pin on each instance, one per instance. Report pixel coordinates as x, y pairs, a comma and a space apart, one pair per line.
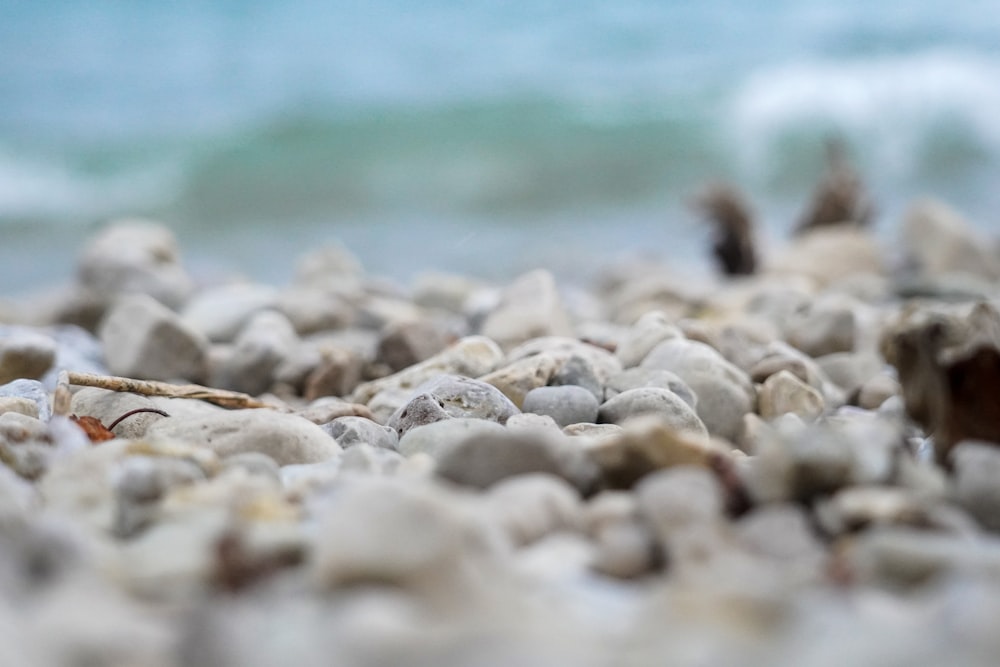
94, 429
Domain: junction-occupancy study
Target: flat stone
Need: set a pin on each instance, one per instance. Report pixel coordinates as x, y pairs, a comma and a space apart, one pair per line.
515, 380
783, 392
25, 354
285, 438
351, 431
143, 339
567, 404
529, 307
668, 406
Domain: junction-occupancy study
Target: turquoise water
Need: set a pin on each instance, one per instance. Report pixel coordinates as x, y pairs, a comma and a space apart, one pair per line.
479, 136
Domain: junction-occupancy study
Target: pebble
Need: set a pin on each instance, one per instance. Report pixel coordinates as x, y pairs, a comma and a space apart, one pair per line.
529, 507
567, 404
634, 378
402, 344
436, 438
516, 379
578, 371
24, 354
266, 341
783, 392
32, 391
145, 340
351, 431
648, 331
220, 313
452, 396
529, 307
663, 403
977, 469
285, 438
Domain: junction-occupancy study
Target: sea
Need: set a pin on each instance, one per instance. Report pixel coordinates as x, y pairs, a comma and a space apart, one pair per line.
484, 137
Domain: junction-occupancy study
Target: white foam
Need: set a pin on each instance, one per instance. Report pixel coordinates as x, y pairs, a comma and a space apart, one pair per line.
892, 104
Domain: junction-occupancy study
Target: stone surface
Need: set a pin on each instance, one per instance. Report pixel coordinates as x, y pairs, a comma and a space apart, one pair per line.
567, 404
939, 242
783, 392
337, 373
402, 344
485, 459
454, 396
516, 379
108, 406
579, 371
436, 438
265, 342
648, 331
30, 390
977, 469
724, 392
529, 307
143, 339
634, 378
285, 438
665, 404
351, 431
25, 354
529, 507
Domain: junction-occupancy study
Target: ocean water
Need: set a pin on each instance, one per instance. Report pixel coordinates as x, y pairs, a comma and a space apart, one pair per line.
482, 136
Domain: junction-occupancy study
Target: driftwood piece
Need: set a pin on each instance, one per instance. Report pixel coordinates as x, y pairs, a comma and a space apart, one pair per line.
221, 397
949, 370
733, 244
840, 198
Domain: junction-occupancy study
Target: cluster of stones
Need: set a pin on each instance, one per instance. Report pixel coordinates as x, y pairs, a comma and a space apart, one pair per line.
653, 469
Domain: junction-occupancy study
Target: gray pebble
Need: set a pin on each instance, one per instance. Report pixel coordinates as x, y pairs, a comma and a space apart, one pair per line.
351, 431
567, 404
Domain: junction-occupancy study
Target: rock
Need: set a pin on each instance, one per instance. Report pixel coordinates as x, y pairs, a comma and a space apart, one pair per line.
649, 331
580, 372
436, 438
668, 406
21, 406
454, 396
369, 460
625, 550
634, 378
134, 257
472, 356
529, 507
29, 390
141, 481
253, 463
850, 370
869, 507
593, 432
338, 373
444, 291
25, 354
783, 392
878, 389
515, 380
679, 497
646, 445
220, 313
403, 535
724, 392
267, 340
143, 339
527, 422
939, 242
977, 467
324, 410
285, 438
568, 404
331, 263
829, 255
783, 533
602, 362
485, 459
314, 309
351, 431
529, 307
403, 344
826, 326
108, 406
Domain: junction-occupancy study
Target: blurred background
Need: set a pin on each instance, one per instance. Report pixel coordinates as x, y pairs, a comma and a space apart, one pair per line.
483, 136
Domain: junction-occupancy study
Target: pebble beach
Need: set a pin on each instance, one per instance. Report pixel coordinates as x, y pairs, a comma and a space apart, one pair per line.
794, 467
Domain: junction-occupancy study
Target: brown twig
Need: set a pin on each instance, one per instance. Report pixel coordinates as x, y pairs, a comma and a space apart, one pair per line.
221, 397
128, 414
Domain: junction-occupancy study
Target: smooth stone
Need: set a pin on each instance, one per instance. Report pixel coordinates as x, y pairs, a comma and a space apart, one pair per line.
267, 340
107, 406
826, 326
829, 255
444, 291
877, 390
315, 309
328, 408
438, 437
142, 481
381, 310
284, 437
783, 533
253, 463
452, 396
31, 390
484, 459
338, 372
22, 406
77, 350
977, 469
850, 370
380, 532
403, 344
647, 444
634, 378
143, 339
529, 307
132, 256
472, 356
370, 460
593, 432
351, 431
529, 507
783, 392
663, 403
527, 422
648, 331
866, 507
678, 497
25, 354
724, 392
563, 349
578, 371
940, 242
625, 550
219, 313
566, 404
331, 263
516, 379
